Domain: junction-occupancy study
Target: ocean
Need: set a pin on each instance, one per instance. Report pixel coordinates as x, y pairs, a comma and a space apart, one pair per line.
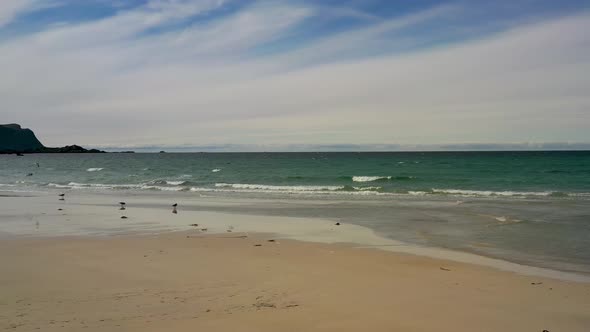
526, 207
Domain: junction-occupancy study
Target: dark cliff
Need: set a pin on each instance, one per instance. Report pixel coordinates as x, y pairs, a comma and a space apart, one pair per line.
15, 139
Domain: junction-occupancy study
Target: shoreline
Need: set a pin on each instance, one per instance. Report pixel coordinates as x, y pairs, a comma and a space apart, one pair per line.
146, 211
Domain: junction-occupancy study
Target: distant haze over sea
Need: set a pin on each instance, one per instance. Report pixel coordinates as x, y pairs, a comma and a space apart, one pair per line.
354, 147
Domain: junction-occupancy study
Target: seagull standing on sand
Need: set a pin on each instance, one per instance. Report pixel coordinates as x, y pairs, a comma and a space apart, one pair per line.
122, 205
62, 197
174, 208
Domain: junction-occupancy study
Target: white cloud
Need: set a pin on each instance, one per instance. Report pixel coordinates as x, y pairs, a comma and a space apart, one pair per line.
10, 9
102, 83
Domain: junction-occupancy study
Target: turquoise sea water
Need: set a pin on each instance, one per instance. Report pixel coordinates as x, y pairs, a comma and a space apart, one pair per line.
528, 207
558, 174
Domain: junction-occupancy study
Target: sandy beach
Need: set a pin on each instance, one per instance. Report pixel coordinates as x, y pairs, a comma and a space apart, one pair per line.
217, 280
226, 282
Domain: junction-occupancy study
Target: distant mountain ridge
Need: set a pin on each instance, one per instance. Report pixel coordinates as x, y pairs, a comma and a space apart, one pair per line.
16, 139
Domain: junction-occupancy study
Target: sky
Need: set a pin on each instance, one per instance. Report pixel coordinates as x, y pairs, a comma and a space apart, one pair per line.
298, 74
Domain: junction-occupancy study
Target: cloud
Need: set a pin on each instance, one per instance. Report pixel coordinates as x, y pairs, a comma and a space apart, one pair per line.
11, 9
136, 78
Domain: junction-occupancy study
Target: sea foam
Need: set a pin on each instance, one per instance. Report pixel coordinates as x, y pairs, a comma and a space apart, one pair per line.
95, 169
175, 183
490, 193
367, 188
277, 188
369, 178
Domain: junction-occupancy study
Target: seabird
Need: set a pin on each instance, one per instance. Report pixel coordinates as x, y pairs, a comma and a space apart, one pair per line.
122, 205
175, 205
62, 197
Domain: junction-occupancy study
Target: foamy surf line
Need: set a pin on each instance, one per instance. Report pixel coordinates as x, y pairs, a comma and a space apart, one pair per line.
278, 188
369, 178
365, 178
100, 186
362, 190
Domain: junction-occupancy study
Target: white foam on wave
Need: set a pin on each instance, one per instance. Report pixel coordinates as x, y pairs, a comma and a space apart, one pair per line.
99, 186
198, 189
369, 178
175, 183
57, 185
166, 182
216, 170
490, 193
76, 185
277, 188
367, 188
147, 187
95, 169
294, 190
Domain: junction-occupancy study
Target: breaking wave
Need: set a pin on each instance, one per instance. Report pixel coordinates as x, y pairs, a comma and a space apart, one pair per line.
94, 169
367, 188
168, 185
278, 188
363, 178
462, 192
369, 178
168, 182
262, 188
